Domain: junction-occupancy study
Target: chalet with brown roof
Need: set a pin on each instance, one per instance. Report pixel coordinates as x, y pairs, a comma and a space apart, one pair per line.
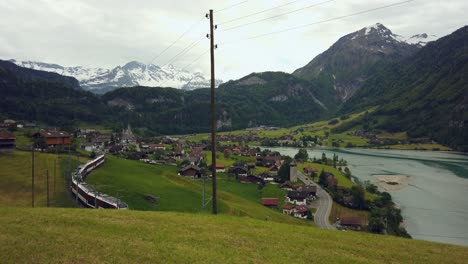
252, 179
190, 171
270, 202
240, 171
7, 141
350, 222
300, 211
220, 168
54, 137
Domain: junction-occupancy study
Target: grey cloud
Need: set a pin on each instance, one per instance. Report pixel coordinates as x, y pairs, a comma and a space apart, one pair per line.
107, 33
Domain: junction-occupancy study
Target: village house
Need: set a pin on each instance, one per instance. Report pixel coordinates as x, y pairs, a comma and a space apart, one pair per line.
220, 168
297, 198
8, 123
268, 161
190, 171
54, 138
252, 179
270, 202
267, 177
7, 141
115, 149
195, 157
273, 170
300, 211
179, 151
311, 190
152, 148
350, 222
236, 170
88, 146
288, 186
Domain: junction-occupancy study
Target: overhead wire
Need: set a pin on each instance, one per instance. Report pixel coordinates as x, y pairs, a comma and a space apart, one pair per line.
259, 12
318, 22
197, 59
229, 7
175, 41
276, 16
184, 51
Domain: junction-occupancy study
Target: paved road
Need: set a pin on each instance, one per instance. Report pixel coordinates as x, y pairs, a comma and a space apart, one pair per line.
324, 204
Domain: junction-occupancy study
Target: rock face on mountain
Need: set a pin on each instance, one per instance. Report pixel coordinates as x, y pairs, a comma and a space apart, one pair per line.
99, 80
347, 64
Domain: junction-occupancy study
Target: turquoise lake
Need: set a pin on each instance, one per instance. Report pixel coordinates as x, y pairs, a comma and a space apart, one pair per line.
434, 204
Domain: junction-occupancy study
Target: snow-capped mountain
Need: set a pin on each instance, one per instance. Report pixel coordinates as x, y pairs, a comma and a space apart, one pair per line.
100, 80
379, 29
348, 62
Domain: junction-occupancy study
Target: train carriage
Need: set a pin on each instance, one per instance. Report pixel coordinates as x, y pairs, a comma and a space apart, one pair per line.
86, 194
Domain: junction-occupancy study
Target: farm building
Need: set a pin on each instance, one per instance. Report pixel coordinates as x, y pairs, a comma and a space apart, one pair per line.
190, 171
270, 202
54, 137
7, 141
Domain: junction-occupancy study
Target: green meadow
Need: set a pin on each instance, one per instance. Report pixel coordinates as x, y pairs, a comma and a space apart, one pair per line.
16, 179
50, 235
134, 181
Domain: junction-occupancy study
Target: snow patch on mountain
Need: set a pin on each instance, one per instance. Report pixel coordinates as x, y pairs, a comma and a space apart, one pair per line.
134, 73
379, 29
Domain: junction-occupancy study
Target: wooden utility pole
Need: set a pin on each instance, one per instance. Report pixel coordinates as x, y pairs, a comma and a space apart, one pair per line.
47, 176
55, 174
213, 116
32, 176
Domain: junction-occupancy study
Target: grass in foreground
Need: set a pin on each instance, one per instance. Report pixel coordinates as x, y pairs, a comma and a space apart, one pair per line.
105, 236
15, 179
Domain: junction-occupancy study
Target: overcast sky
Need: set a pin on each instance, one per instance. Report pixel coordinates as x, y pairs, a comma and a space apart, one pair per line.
107, 33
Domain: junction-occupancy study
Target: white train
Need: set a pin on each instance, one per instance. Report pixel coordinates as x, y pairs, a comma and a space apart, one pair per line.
86, 194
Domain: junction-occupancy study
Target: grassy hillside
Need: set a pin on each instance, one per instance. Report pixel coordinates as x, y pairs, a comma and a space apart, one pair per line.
15, 179
132, 181
104, 236
340, 133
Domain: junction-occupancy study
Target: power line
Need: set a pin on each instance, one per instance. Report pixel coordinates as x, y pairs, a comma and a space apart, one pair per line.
319, 22
185, 50
280, 15
187, 66
197, 59
231, 6
175, 41
257, 13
